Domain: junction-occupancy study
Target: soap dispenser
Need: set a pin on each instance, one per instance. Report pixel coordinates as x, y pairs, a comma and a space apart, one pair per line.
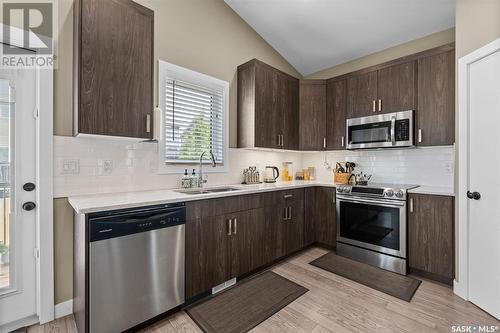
186, 180
194, 179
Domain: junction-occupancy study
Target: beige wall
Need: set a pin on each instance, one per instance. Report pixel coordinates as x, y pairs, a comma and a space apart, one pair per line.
414, 46
477, 24
203, 35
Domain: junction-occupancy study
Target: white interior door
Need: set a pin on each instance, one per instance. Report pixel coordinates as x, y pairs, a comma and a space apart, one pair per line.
484, 178
18, 273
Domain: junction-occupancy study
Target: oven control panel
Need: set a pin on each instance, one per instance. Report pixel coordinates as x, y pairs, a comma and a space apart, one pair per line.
379, 192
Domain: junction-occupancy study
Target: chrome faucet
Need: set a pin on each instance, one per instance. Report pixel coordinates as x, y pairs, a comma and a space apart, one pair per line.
200, 170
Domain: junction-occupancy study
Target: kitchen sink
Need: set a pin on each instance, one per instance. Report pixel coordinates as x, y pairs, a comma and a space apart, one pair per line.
208, 190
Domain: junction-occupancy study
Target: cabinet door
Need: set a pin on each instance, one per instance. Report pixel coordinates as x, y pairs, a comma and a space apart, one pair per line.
247, 241
268, 114
312, 112
397, 88
325, 216
275, 232
361, 94
430, 234
295, 227
288, 100
114, 62
207, 254
436, 100
336, 104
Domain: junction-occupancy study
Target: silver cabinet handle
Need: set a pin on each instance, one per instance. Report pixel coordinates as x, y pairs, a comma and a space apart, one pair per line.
148, 123
279, 140
411, 205
288, 196
324, 142
290, 212
419, 135
285, 212
380, 105
235, 226
374, 106
282, 141
229, 222
342, 141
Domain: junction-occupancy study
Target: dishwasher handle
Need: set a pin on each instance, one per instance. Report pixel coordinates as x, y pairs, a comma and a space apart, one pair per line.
124, 224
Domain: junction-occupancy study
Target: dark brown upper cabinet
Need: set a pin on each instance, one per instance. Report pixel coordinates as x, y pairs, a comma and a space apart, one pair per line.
113, 68
430, 236
396, 86
336, 107
389, 89
436, 100
312, 110
268, 107
361, 95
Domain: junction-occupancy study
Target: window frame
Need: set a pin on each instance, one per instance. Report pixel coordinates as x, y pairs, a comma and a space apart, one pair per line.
175, 72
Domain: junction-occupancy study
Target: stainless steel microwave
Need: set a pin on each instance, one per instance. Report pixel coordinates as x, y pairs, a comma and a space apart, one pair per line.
387, 130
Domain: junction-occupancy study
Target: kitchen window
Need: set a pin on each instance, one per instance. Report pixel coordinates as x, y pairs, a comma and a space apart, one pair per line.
194, 118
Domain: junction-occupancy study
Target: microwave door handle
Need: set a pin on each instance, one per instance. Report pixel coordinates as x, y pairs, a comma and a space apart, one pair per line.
393, 131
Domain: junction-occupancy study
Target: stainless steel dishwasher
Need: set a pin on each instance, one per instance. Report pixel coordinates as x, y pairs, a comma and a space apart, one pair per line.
136, 265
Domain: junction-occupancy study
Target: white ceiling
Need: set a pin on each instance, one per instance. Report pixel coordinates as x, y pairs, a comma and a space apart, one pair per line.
317, 34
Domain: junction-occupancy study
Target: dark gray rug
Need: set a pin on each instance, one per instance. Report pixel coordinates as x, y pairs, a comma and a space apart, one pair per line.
246, 305
400, 286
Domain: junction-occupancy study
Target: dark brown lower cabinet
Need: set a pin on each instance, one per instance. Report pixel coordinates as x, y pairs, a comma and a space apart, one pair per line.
430, 236
320, 216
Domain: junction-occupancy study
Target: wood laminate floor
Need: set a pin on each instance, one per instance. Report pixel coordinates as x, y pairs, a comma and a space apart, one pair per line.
336, 304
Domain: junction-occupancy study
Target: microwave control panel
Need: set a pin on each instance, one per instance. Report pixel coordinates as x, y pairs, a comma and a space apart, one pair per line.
402, 130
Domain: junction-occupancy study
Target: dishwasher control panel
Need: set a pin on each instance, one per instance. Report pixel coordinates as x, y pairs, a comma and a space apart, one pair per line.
118, 223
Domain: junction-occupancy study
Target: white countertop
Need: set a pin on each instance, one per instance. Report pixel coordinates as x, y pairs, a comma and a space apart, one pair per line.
435, 190
85, 204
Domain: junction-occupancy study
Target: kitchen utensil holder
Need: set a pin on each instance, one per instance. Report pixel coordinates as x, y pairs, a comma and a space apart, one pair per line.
341, 178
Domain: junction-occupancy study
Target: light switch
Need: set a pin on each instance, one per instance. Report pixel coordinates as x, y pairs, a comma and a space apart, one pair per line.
70, 167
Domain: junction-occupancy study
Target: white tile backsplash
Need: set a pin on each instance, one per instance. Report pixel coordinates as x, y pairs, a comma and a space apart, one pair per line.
114, 165
431, 166
96, 165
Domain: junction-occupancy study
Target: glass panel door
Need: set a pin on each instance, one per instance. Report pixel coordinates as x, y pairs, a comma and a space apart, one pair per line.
6, 135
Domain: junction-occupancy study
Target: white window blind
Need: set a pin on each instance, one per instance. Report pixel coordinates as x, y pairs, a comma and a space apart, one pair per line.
194, 121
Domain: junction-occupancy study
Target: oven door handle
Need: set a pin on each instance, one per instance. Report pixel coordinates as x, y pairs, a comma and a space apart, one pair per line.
384, 203
393, 131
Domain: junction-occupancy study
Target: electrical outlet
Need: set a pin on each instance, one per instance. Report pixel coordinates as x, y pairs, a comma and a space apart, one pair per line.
105, 167
448, 167
70, 167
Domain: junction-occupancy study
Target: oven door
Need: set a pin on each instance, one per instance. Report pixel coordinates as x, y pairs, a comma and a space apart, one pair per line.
375, 224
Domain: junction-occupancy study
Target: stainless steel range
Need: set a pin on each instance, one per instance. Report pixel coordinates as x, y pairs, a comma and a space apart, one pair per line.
371, 224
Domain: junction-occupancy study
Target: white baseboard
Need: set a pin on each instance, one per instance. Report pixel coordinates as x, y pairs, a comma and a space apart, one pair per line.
460, 289
63, 309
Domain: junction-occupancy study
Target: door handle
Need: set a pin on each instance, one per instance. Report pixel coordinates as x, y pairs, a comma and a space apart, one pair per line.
282, 141
279, 140
285, 212
324, 142
229, 222
419, 135
374, 106
380, 105
473, 195
393, 131
290, 212
28, 187
235, 226
342, 141
288, 196
411, 205
28, 206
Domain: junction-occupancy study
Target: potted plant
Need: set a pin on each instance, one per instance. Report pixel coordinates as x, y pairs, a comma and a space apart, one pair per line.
4, 253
